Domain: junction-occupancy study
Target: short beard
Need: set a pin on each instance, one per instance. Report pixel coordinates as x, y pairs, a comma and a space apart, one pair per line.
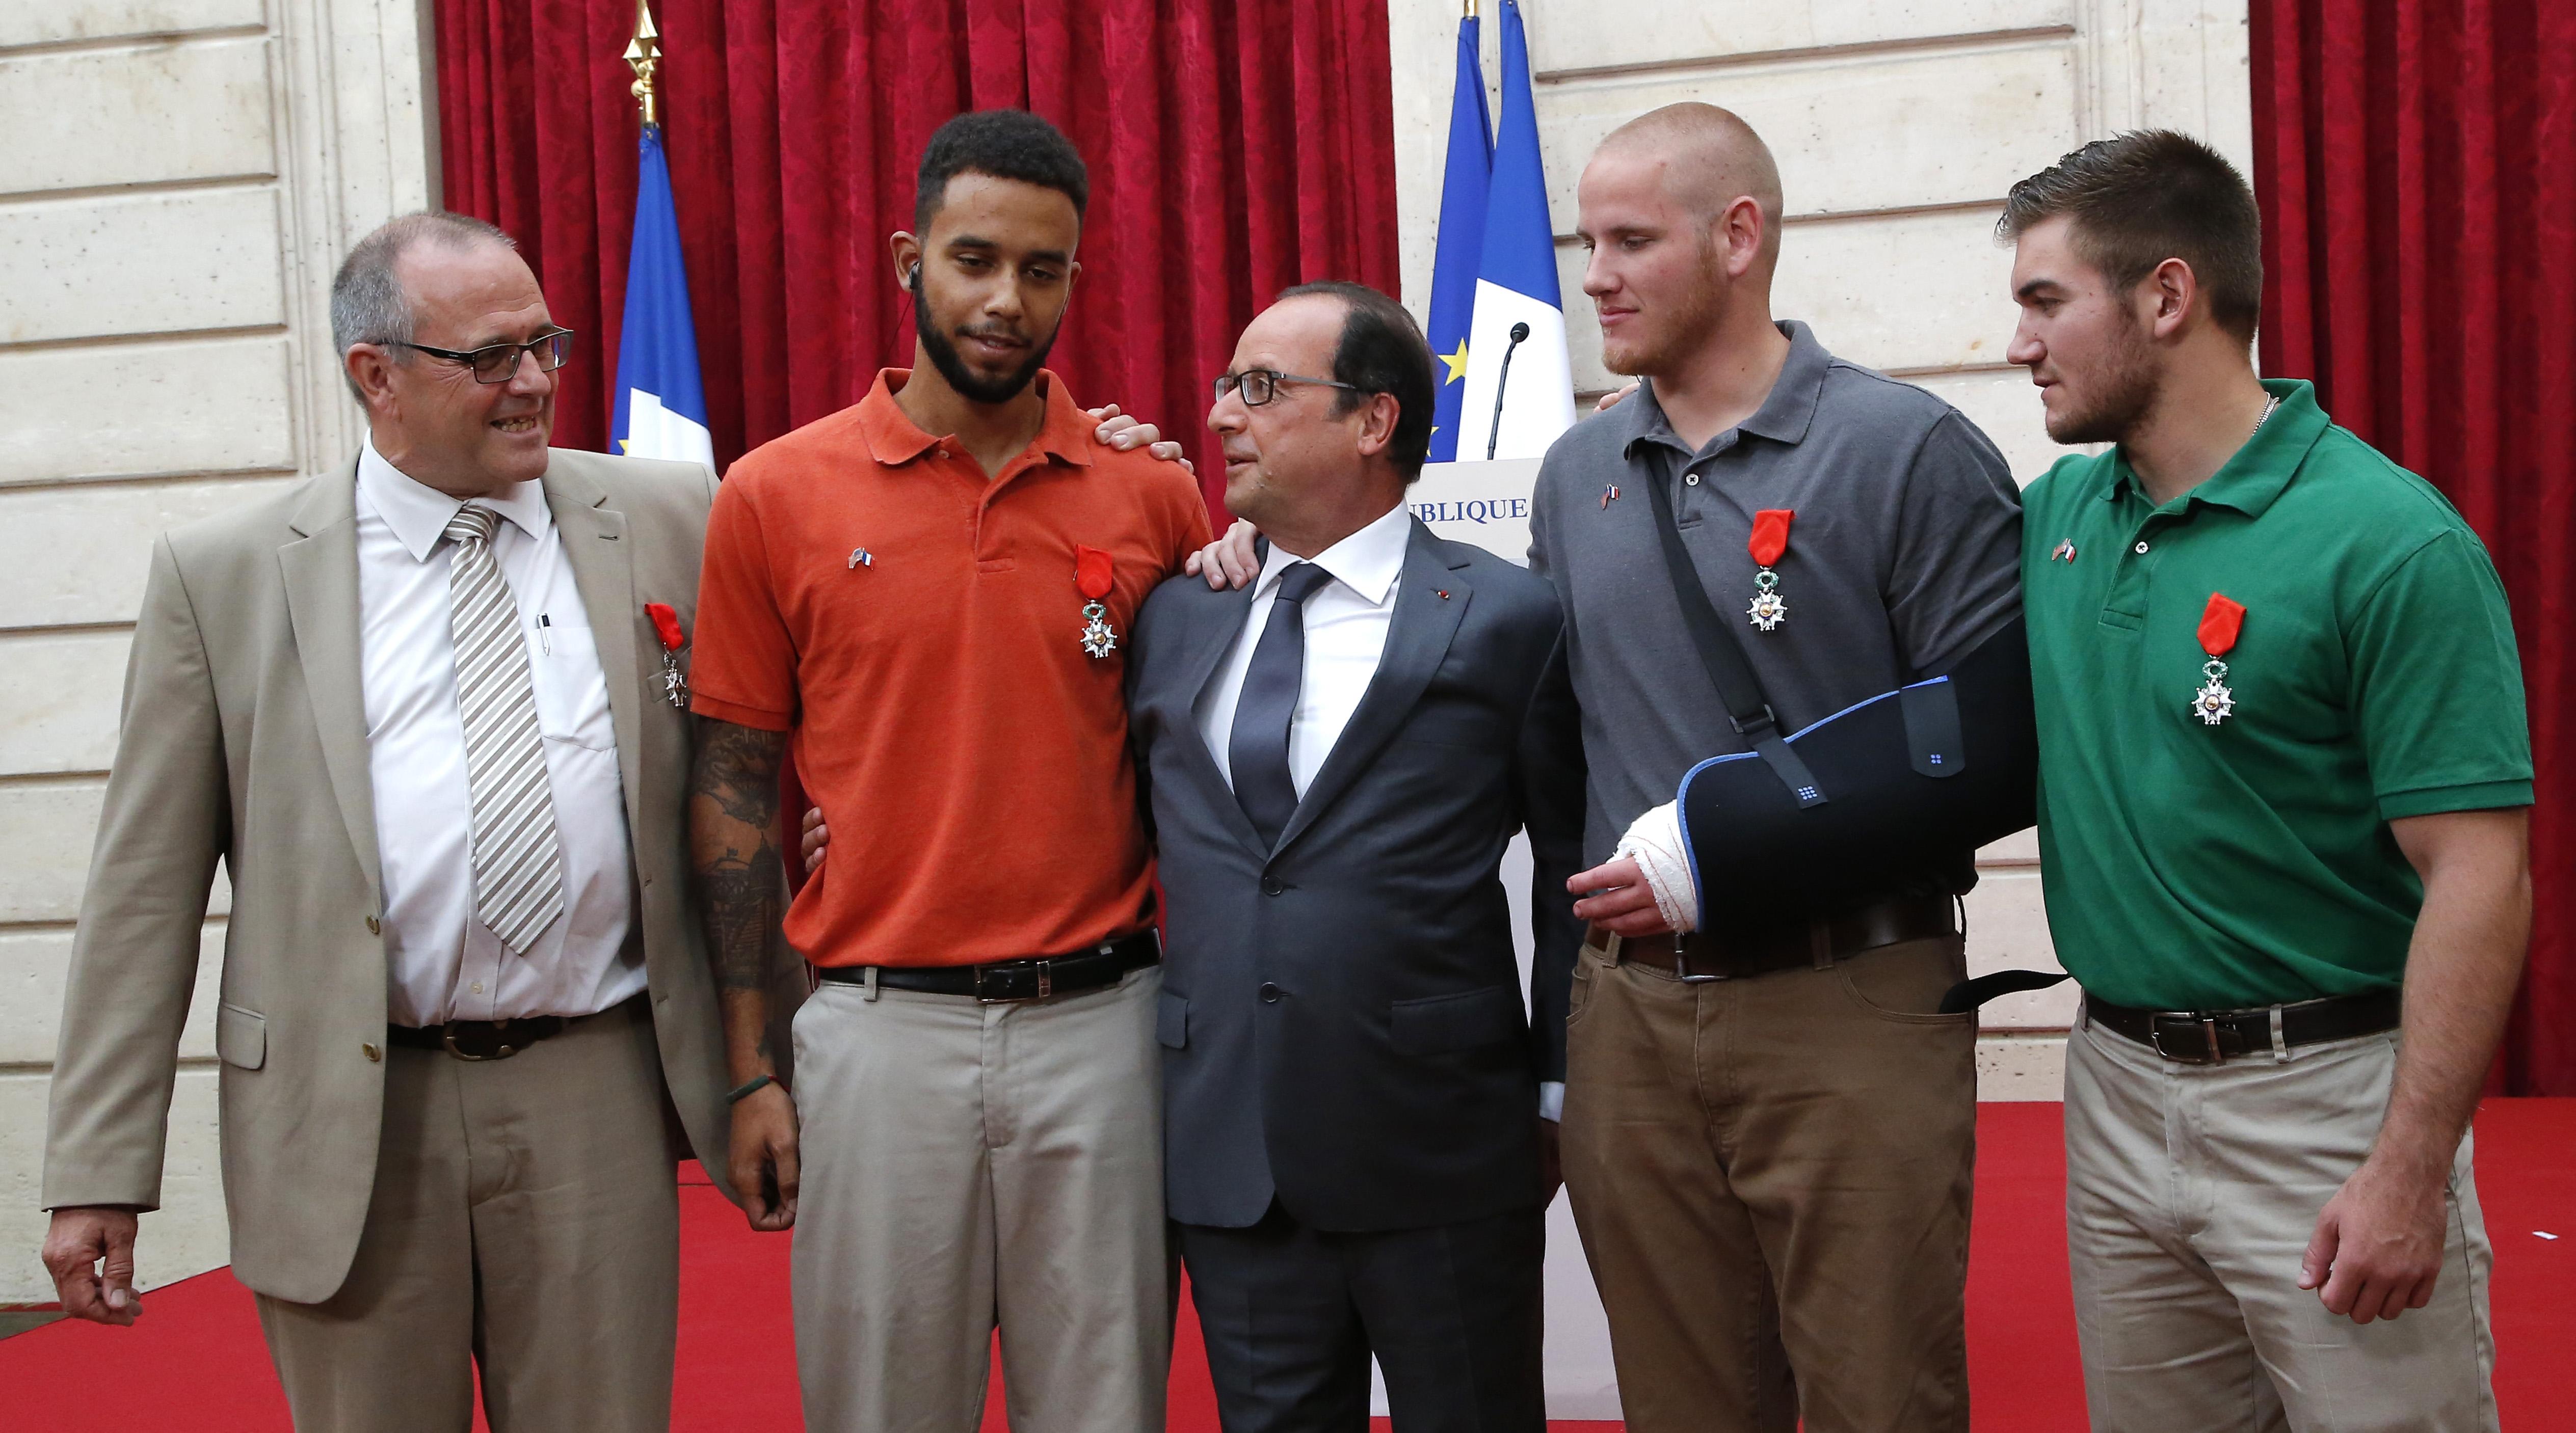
1704, 309
2125, 394
952, 364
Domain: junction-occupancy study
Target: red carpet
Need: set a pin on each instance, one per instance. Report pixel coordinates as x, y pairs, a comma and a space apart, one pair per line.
196, 1362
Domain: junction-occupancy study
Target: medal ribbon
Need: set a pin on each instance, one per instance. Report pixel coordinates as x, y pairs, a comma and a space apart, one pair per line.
2220, 622
1770, 535
666, 624
1091, 572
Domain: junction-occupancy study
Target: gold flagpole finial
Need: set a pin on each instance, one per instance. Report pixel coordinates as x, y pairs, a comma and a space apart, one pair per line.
1471, 9
644, 56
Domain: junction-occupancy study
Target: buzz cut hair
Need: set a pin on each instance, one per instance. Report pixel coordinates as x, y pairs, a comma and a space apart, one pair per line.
2138, 199
1006, 144
368, 304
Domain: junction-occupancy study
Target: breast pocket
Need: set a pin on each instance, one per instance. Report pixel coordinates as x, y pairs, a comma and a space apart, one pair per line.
571, 686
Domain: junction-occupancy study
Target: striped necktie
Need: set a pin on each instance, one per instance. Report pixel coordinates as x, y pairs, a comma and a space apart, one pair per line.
518, 880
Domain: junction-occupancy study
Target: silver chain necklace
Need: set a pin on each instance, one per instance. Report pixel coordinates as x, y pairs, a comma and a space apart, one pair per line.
2266, 418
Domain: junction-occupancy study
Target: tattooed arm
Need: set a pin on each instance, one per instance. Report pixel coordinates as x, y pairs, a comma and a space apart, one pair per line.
733, 848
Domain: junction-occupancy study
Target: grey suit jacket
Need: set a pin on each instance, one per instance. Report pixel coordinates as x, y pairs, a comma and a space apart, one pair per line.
245, 741
1341, 1015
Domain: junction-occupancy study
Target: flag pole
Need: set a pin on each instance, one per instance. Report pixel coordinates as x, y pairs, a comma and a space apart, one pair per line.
644, 56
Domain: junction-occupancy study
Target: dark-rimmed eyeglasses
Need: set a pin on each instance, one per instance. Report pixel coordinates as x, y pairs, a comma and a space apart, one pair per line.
1260, 385
499, 362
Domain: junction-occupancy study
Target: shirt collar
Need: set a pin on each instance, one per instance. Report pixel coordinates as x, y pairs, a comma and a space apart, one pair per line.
1368, 561
2250, 480
894, 439
419, 513
1785, 415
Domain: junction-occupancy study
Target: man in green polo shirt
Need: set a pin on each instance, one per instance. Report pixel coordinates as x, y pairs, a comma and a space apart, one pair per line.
2285, 774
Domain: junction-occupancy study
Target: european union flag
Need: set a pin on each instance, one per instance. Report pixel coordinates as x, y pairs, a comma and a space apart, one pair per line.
1520, 386
1461, 239
661, 405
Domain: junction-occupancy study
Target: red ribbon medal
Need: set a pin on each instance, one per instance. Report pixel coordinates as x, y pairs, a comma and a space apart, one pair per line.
1770, 539
666, 625
2220, 622
1093, 574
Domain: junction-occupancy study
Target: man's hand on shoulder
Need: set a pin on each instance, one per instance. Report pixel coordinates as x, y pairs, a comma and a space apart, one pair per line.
89, 1249
1230, 561
1127, 434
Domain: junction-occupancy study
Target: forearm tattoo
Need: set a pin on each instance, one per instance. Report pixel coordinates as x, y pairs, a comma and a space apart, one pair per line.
733, 819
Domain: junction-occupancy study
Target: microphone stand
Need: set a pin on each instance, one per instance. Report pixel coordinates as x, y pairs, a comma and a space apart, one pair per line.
1502, 380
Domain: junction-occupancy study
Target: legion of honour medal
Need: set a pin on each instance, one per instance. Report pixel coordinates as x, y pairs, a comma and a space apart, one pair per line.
1092, 574
2220, 621
1770, 539
666, 626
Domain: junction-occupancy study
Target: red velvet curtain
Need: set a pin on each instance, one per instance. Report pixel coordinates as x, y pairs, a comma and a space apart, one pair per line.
1235, 147
2416, 162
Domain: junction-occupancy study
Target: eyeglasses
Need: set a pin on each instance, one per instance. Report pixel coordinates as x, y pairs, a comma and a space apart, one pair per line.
1260, 385
499, 363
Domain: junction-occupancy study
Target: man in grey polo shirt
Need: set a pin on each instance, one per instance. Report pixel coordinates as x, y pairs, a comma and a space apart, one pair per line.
1771, 1171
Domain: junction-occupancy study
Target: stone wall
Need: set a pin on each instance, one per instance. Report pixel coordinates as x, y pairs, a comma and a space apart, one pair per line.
181, 177
1898, 125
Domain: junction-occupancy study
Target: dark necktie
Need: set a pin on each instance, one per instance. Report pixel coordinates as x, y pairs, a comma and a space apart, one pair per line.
1257, 751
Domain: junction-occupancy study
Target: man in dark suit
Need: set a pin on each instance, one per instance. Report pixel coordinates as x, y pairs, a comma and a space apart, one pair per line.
1334, 759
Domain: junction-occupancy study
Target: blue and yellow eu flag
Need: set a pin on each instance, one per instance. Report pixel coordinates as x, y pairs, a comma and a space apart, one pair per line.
1461, 239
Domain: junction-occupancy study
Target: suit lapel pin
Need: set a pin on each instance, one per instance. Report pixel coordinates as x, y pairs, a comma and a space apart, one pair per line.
1609, 495
666, 625
861, 557
1444, 593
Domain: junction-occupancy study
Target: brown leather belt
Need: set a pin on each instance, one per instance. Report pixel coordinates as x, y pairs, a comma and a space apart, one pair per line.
489, 1039
2213, 1037
1741, 950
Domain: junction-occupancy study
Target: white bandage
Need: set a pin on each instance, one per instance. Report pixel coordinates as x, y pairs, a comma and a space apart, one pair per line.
1654, 842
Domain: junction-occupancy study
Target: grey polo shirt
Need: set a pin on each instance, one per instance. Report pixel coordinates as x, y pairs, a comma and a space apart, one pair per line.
1902, 558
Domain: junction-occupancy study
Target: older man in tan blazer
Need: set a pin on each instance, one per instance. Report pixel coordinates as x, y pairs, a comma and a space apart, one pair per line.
417, 708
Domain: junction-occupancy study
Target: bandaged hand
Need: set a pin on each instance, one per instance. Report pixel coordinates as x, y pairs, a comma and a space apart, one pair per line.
1654, 842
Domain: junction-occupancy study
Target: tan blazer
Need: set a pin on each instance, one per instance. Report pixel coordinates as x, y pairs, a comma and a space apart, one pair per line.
245, 740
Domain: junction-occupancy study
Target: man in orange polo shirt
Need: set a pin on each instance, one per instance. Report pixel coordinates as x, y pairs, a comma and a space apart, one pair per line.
927, 595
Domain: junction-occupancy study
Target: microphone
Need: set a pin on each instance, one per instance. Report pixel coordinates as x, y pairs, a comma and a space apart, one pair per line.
1503, 379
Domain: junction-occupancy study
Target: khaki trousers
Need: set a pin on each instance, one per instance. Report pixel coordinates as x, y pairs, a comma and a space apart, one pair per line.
2191, 1194
1772, 1178
966, 1166
526, 1224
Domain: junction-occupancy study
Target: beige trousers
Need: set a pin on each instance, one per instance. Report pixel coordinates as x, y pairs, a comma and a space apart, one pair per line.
2191, 1194
966, 1166
1772, 1178
526, 1223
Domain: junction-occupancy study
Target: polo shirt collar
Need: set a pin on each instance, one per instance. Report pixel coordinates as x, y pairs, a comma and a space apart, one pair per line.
1368, 561
419, 513
894, 439
1784, 417
2250, 480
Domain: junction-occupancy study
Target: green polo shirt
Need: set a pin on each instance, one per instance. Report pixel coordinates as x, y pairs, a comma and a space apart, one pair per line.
2197, 867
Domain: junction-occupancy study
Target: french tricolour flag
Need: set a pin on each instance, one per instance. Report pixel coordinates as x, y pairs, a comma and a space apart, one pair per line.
1516, 286
661, 406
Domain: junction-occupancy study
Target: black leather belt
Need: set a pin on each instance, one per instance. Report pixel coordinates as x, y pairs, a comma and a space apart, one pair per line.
488, 1039
2211, 1037
1002, 981
1747, 950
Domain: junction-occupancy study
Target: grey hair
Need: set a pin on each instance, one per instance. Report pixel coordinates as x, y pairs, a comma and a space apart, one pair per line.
368, 304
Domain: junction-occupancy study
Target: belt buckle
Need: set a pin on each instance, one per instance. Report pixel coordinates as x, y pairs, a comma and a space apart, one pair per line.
2208, 1054
1045, 970
447, 1038
1681, 965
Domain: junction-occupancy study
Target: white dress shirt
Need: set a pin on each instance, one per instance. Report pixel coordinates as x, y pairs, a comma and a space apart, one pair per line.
1346, 622
441, 962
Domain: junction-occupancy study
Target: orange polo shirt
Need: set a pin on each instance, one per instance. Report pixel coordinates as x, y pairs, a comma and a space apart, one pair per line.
917, 627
